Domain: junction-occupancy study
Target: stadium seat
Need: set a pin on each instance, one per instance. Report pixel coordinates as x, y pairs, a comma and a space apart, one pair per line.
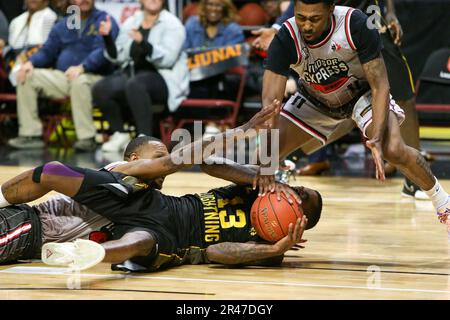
179, 119
433, 90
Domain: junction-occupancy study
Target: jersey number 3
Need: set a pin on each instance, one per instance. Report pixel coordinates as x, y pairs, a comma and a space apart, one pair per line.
230, 221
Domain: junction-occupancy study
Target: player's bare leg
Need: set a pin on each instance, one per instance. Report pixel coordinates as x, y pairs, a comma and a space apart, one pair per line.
410, 134
414, 166
407, 159
291, 137
410, 127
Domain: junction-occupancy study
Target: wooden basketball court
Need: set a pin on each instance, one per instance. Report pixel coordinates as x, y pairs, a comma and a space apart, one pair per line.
370, 244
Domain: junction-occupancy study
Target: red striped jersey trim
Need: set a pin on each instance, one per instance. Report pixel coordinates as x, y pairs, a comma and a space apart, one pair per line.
304, 126
4, 240
294, 37
347, 29
321, 43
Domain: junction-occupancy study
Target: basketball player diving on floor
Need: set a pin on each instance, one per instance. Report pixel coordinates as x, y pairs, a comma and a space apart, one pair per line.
342, 83
153, 231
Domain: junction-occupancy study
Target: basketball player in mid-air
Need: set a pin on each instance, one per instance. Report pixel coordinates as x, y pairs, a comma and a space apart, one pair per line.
343, 82
399, 73
153, 231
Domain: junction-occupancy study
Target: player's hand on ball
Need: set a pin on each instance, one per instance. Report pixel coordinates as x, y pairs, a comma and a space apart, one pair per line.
375, 147
290, 194
294, 236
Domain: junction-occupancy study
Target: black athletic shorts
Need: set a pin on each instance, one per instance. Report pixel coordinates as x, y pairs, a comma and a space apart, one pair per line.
399, 74
20, 233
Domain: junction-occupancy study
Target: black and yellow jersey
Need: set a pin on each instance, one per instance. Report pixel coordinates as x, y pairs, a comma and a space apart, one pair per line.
198, 221
183, 227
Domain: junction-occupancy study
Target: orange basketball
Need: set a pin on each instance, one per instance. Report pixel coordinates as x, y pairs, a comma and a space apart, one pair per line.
252, 14
271, 218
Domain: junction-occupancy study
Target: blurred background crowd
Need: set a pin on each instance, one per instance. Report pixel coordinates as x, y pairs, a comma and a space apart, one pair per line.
92, 74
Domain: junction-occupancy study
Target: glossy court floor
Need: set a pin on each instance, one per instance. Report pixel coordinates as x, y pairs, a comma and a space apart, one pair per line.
370, 244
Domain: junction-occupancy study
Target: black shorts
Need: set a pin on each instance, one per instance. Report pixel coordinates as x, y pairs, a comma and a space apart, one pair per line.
20, 233
399, 74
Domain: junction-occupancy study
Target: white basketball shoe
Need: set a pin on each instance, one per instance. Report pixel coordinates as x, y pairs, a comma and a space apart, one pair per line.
77, 255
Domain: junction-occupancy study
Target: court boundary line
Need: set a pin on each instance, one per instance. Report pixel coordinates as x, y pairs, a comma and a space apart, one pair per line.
291, 284
108, 289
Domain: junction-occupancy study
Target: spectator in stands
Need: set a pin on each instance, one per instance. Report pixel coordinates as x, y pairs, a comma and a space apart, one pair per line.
68, 64
3, 31
272, 7
33, 26
153, 76
215, 26
60, 7
27, 33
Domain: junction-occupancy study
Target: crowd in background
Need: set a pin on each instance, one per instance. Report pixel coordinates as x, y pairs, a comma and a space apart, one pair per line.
133, 72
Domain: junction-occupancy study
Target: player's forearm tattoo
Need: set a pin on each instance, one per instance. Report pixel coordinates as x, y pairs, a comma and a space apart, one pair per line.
375, 71
11, 188
420, 160
233, 172
239, 253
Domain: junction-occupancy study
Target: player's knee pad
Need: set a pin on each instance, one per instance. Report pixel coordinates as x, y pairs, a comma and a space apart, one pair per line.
57, 169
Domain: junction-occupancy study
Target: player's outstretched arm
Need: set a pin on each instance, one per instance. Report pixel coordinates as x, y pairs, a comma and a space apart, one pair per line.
243, 175
229, 170
274, 86
189, 155
233, 253
131, 244
376, 75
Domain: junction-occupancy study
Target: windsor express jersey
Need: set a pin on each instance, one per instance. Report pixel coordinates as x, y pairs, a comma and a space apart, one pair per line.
330, 70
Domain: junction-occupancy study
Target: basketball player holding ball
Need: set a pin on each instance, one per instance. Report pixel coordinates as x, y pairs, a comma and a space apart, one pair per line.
210, 227
152, 231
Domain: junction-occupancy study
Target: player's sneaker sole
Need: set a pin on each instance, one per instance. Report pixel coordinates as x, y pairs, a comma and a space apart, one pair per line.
78, 255
412, 191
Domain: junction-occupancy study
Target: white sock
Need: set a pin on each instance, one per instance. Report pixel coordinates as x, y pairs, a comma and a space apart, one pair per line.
3, 202
438, 196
